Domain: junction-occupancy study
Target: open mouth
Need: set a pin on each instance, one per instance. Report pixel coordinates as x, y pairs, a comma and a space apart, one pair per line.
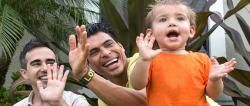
110, 62
172, 33
43, 77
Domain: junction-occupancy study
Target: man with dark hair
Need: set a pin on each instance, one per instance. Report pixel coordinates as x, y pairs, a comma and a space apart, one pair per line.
39, 68
106, 57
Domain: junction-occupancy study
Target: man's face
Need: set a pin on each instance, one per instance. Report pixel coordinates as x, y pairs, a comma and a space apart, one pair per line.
106, 56
37, 61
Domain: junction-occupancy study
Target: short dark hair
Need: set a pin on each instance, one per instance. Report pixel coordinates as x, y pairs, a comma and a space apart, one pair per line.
100, 27
32, 44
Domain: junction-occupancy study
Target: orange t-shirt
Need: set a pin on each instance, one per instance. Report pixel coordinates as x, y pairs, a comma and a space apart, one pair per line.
178, 80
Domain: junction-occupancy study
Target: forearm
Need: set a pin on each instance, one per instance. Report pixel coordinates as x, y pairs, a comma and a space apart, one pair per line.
214, 88
115, 95
139, 76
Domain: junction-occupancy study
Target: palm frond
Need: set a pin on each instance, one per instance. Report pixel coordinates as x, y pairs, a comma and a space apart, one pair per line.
11, 30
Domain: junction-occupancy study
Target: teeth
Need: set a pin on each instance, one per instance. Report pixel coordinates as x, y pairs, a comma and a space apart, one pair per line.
43, 77
111, 61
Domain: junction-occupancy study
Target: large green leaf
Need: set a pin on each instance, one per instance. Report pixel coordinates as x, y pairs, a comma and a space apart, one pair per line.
235, 37
238, 7
112, 15
243, 24
194, 46
11, 30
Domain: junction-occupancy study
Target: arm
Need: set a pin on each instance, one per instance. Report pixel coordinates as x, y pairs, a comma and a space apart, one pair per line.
139, 76
215, 83
115, 95
110, 93
53, 91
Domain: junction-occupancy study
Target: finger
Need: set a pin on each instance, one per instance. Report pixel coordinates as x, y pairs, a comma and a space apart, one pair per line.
49, 73
39, 85
82, 28
151, 42
72, 42
60, 72
83, 39
64, 79
78, 32
146, 39
86, 52
213, 60
54, 71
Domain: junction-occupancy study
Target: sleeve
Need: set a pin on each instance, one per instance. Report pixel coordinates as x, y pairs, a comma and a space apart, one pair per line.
207, 67
73, 99
80, 101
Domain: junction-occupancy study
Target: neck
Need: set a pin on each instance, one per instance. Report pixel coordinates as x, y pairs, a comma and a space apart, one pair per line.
179, 51
37, 100
120, 80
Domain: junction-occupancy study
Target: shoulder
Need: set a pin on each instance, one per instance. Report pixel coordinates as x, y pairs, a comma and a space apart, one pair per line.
200, 55
23, 102
74, 99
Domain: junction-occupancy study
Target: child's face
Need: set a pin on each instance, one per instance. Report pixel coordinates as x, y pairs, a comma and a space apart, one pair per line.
171, 26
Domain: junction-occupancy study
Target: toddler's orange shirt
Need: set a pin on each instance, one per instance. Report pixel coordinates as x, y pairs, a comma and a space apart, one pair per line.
178, 80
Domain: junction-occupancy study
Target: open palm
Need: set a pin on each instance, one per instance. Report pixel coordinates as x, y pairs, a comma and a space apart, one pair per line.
53, 91
220, 70
78, 52
145, 46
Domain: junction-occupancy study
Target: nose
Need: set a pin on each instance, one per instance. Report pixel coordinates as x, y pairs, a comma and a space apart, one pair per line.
172, 23
44, 67
105, 52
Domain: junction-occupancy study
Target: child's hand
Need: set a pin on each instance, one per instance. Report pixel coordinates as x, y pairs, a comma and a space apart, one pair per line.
145, 46
220, 70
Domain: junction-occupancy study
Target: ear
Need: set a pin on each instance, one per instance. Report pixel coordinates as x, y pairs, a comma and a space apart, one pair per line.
192, 31
24, 73
120, 45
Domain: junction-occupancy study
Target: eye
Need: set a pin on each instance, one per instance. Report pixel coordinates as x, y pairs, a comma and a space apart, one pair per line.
93, 52
108, 44
35, 64
51, 62
180, 18
163, 20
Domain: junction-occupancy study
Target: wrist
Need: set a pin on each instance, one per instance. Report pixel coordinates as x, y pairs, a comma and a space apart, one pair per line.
87, 77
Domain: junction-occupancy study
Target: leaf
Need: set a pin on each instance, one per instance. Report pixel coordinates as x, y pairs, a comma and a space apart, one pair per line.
201, 22
118, 25
238, 7
243, 24
11, 30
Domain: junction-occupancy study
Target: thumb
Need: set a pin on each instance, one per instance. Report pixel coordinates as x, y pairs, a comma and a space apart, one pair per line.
214, 61
39, 85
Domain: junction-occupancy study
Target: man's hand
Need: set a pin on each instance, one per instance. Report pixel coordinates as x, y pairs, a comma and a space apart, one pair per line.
53, 91
220, 70
145, 46
78, 52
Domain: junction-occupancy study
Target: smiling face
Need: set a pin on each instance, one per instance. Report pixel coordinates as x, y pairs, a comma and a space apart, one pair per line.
106, 56
37, 61
171, 26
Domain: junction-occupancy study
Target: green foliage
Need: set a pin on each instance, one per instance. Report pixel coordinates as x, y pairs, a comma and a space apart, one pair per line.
6, 100
4, 97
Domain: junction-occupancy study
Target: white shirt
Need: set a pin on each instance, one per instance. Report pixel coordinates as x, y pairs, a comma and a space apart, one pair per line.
70, 98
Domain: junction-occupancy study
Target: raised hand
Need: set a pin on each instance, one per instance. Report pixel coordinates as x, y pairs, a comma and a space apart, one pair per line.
220, 70
53, 91
78, 52
145, 46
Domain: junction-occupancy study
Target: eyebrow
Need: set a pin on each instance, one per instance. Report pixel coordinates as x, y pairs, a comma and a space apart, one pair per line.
37, 60
109, 40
